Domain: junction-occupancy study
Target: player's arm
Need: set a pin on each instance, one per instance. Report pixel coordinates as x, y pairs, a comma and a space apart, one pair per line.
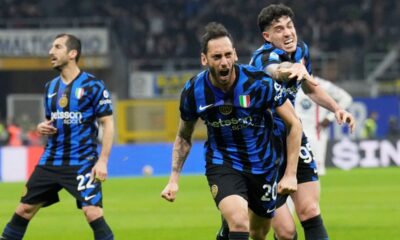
286, 71
181, 149
99, 171
340, 95
322, 98
288, 183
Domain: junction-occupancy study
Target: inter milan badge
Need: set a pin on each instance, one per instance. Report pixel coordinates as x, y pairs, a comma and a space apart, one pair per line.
63, 102
214, 190
225, 109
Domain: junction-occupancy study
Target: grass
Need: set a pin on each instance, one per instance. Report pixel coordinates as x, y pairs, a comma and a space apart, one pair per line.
356, 204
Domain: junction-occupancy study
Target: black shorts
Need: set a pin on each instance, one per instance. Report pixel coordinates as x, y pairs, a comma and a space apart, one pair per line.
306, 167
259, 192
46, 181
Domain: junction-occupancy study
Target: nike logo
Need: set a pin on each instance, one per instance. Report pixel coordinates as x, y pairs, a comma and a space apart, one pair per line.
219, 103
270, 210
87, 198
51, 95
202, 108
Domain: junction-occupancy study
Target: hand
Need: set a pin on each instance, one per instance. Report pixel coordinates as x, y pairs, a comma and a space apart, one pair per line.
298, 71
323, 124
169, 192
343, 116
287, 185
99, 171
46, 128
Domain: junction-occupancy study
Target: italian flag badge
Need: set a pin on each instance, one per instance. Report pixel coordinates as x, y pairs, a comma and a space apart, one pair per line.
79, 93
244, 101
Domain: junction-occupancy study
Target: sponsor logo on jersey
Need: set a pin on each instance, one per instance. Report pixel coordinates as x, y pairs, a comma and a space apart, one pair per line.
67, 117
105, 101
234, 123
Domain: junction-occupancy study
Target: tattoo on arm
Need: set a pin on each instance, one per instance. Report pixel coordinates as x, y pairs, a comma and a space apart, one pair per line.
182, 145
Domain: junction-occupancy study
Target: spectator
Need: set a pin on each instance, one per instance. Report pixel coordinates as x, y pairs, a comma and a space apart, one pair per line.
370, 126
393, 127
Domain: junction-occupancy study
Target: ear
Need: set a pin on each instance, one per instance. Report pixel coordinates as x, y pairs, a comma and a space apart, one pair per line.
235, 56
73, 54
266, 36
204, 61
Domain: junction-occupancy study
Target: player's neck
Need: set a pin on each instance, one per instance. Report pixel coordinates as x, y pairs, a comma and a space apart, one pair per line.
69, 73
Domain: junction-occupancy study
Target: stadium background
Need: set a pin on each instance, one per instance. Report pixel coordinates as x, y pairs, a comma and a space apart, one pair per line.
146, 50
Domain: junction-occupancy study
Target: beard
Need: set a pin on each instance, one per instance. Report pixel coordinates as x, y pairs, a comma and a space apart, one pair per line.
60, 66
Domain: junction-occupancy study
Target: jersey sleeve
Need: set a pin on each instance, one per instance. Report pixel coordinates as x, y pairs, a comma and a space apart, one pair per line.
307, 59
47, 111
275, 94
269, 57
187, 105
102, 101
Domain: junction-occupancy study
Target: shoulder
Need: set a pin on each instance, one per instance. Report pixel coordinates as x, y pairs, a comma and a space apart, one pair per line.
251, 71
196, 79
91, 80
255, 76
301, 45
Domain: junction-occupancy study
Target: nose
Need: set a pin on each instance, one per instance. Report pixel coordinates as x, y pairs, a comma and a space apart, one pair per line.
51, 51
286, 31
224, 61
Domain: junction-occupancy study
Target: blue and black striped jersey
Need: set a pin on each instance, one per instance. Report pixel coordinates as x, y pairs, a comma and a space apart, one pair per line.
268, 54
74, 109
238, 124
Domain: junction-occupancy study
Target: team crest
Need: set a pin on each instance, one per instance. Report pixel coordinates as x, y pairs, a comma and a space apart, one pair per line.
225, 109
63, 102
244, 101
214, 190
79, 92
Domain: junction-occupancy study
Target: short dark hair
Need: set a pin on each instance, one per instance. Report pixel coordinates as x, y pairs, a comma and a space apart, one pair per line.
72, 43
213, 30
272, 13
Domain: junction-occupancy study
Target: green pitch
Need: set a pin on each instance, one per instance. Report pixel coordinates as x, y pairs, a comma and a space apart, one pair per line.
356, 204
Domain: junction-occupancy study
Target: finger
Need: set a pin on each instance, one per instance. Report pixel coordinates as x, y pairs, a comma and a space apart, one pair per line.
92, 174
292, 75
167, 196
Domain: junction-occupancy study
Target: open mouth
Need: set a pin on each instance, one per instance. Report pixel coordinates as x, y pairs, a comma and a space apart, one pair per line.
224, 73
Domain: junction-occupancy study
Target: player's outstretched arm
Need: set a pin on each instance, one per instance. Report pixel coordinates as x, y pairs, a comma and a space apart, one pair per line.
286, 71
99, 171
288, 183
181, 149
322, 98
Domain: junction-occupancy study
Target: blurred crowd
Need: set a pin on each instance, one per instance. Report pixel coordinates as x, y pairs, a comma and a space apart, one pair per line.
21, 132
165, 28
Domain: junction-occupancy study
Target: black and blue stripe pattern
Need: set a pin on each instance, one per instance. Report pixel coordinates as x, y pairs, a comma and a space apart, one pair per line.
74, 109
267, 54
238, 124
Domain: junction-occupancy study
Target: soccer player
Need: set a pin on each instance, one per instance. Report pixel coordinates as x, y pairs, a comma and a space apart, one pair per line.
73, 102
316, 120
288, 61
241, 160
